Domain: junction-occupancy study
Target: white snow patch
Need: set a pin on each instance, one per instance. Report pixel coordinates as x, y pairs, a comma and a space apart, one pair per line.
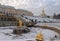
48, 35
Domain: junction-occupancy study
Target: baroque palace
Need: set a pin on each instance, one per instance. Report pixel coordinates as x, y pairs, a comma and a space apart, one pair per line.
12, 11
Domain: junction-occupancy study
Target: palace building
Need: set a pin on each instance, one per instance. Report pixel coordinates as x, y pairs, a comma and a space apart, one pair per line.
8, 20
12, 11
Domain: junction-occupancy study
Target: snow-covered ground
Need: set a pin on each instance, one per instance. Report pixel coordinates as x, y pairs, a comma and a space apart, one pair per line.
39, 19
56, 25
47, 34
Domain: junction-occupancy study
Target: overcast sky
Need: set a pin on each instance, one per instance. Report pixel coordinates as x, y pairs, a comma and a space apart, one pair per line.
35, 6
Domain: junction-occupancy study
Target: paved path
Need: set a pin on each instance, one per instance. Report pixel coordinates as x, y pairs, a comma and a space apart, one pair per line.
50, 28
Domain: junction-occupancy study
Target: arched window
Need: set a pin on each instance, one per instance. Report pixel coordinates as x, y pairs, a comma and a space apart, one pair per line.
1, 18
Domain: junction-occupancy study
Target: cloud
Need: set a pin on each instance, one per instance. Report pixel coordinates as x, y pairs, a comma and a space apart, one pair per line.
35, 6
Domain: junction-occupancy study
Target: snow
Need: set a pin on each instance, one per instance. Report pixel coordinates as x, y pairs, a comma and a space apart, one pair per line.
48, 35
55, 25
43, 19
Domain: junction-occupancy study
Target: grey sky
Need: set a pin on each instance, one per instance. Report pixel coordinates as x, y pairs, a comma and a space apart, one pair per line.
35, 6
